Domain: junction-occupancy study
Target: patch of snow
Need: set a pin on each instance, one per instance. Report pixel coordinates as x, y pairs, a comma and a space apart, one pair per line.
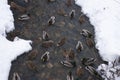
9, 50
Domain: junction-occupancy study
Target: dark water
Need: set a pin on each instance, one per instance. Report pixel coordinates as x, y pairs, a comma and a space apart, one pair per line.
41, 11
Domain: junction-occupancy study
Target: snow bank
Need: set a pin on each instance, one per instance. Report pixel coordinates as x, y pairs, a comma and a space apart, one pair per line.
104, 16
9, 50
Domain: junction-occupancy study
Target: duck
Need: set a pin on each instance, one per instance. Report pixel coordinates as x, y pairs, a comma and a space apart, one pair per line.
24, 17
62, 12
61, 42
79, 46
88, 61
45, 57
17, 7
86, 33
79, 71
71, 54
68, 63
93, 72
47, 44
51, 21
16, 76
65, 54
69, 3
72, 14
89, 42
70, 76
33, 54
45, 36
31, 65
90, 78
81, 19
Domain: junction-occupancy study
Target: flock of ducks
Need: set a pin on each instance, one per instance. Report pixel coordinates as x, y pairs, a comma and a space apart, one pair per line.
69, 55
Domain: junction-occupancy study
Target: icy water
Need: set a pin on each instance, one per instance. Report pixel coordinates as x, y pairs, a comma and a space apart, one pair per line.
41, 11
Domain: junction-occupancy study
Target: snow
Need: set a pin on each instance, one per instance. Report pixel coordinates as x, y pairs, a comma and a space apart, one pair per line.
104, 16
9, 50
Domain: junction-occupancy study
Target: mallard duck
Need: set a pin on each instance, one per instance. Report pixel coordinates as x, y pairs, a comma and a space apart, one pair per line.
72, 14
31, 66
90, 78
17, 7
69, 2
62, 12
81, 19
47, 44
24, 17
68, 63
45, 36
71, 54
45, 57
51, 20
79, 71
88, 61
16, 76
86, 33
89, 42
33, 54
61, 42
70, 76
93, 72
79, 46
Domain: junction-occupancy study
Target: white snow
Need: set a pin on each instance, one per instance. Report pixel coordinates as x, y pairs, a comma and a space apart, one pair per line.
9, 50
104, 16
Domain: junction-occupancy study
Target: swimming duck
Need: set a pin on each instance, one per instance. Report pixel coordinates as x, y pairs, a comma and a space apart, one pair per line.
72, 14
69, 2
86, 33
47, 44
79, 71
71, 54
79, 46
68, 63
61, 42
24, 17
16, 76
70, 76
88, 61
45, 57
45, 36
17, 7
93, 72
81, 19
89, 42
51, 20
33, 54
31, 65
